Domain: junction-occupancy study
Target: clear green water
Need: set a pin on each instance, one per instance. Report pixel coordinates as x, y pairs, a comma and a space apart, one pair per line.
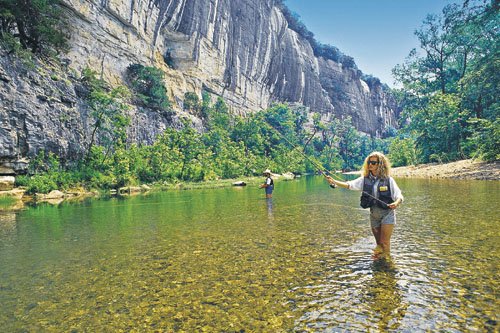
228, 260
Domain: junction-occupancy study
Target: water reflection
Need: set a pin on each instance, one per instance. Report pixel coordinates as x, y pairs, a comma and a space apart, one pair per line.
269, 204
384, 296
7, 224
358, 295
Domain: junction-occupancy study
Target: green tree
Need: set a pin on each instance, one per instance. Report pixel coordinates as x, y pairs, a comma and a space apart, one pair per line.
248, 132
192, 103
148, 85
108, 107
349, 143
36, 24
282, 123
230, 158
485, 139
218, 115
327, 146
480, 83
457, 73
438, 130
402, 152
205, 105
165, 157
174, 155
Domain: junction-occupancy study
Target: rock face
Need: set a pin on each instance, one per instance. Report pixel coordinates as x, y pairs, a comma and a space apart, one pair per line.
241, 50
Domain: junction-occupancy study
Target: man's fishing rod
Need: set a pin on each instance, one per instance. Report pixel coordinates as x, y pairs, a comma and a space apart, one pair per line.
314, 163
318, 167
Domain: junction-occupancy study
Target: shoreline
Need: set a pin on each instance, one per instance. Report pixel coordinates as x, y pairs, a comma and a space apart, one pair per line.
16, 199
465, 169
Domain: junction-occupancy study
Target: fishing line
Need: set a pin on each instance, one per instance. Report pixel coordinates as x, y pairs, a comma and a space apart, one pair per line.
318, 167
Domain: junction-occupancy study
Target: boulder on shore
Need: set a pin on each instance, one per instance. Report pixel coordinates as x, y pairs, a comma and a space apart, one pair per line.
7, 183
55, 194
14, 193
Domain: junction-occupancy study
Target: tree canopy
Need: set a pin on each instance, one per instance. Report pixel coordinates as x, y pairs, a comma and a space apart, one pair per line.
450, 92
36, 25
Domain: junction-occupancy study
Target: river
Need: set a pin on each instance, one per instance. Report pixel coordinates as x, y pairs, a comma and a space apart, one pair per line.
229, 260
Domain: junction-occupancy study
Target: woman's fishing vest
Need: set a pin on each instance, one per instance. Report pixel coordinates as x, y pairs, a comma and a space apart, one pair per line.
383, 193
271, 183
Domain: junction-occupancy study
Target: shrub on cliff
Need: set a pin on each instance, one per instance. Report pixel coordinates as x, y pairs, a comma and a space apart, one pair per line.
34, 24
320, 50
147, 84
192, 103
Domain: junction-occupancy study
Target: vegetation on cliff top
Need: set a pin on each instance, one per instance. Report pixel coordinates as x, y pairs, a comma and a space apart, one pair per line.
320, 50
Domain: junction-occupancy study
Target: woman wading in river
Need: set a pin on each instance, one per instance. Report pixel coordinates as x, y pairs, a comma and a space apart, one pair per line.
381, 194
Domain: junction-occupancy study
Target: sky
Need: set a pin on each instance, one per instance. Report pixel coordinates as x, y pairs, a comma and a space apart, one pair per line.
378, 34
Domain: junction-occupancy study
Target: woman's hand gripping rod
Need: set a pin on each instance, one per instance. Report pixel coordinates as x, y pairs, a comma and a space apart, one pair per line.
319, 168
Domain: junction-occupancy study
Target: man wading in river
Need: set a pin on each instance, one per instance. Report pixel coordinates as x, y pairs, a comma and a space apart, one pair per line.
379, 192
268, 184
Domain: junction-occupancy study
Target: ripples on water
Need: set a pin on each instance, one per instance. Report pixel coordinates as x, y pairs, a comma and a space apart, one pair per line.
231, 261
442, 277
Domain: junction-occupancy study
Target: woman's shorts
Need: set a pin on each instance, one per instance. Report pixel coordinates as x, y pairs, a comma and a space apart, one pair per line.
269, 189
379, 216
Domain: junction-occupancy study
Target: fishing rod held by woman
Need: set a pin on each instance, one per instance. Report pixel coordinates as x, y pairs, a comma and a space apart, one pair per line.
381, 194
268, 184
318, 166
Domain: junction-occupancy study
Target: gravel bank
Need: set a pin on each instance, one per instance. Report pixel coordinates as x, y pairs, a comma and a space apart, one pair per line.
465, 169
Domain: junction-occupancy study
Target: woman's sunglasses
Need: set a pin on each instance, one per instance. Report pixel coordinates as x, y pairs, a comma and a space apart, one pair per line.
373, 162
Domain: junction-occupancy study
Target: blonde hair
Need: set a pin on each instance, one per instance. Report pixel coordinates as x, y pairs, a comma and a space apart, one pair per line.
384, 166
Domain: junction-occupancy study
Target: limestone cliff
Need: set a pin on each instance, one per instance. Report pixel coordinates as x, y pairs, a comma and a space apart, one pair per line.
241, 50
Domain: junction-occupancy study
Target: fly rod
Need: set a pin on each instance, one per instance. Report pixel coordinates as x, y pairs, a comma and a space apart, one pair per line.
318, 167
